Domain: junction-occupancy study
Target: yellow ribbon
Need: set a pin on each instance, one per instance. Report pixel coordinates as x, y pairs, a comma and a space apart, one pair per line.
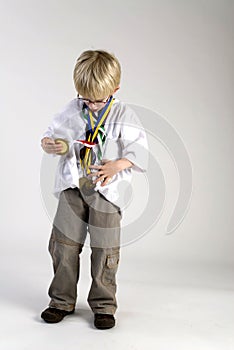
87, 158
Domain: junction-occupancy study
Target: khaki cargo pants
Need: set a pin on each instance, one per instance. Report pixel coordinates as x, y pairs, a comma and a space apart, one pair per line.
76, 215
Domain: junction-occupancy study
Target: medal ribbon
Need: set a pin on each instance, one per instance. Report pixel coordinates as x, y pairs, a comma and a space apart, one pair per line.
94, 128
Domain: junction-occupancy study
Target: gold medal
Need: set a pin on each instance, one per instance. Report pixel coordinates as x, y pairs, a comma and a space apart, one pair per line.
65, 145
86, 186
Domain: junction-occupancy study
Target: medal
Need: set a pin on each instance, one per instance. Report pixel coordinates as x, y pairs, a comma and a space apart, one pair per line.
86, 186
65, 145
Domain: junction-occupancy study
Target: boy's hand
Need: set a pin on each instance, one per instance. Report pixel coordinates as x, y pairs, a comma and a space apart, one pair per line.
49, 146
109, 169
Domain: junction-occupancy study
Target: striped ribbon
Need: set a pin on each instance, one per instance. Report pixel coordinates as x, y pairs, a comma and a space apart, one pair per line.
94, 129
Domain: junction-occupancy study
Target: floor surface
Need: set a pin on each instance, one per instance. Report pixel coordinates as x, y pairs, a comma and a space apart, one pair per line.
173, 307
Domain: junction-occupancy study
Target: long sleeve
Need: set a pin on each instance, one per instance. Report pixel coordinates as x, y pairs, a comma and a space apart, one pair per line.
134, 141
57, 127
67, 123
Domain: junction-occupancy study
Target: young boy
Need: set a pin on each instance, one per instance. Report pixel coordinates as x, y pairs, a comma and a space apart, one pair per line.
99, 140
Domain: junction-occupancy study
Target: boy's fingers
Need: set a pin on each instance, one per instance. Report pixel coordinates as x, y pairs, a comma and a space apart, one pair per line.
46, 144
106, 181
48, 140
92, 175
50, 146
95, 166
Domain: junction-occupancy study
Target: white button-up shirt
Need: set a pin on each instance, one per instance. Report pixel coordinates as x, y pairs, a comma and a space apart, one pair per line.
125, 138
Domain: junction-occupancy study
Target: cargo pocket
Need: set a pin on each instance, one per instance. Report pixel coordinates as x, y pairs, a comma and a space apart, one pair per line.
110, 269
63, 250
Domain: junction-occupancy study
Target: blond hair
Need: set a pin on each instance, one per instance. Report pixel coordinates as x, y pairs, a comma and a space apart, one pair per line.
96, 74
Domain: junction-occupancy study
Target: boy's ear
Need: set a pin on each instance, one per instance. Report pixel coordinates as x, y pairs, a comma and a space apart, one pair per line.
116, 89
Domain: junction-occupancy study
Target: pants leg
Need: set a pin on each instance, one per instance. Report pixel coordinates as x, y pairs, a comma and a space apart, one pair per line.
104, 229
66, 264
102, 294
66, 242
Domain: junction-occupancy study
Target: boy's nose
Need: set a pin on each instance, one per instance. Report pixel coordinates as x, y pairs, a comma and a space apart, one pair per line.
93, 107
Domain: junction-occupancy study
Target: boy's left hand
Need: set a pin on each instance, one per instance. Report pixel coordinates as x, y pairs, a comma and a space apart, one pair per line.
107, 170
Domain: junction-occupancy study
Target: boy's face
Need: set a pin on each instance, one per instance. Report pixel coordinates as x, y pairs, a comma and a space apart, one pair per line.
94, 106
97, 105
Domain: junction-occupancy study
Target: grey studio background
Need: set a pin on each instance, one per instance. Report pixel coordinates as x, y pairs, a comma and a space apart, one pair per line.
174, 291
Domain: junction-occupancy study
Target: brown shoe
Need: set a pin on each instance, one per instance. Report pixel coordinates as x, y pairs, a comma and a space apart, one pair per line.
53, 315
104, 321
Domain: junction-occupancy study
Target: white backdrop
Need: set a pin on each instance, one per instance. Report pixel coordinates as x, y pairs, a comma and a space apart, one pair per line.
177, 60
